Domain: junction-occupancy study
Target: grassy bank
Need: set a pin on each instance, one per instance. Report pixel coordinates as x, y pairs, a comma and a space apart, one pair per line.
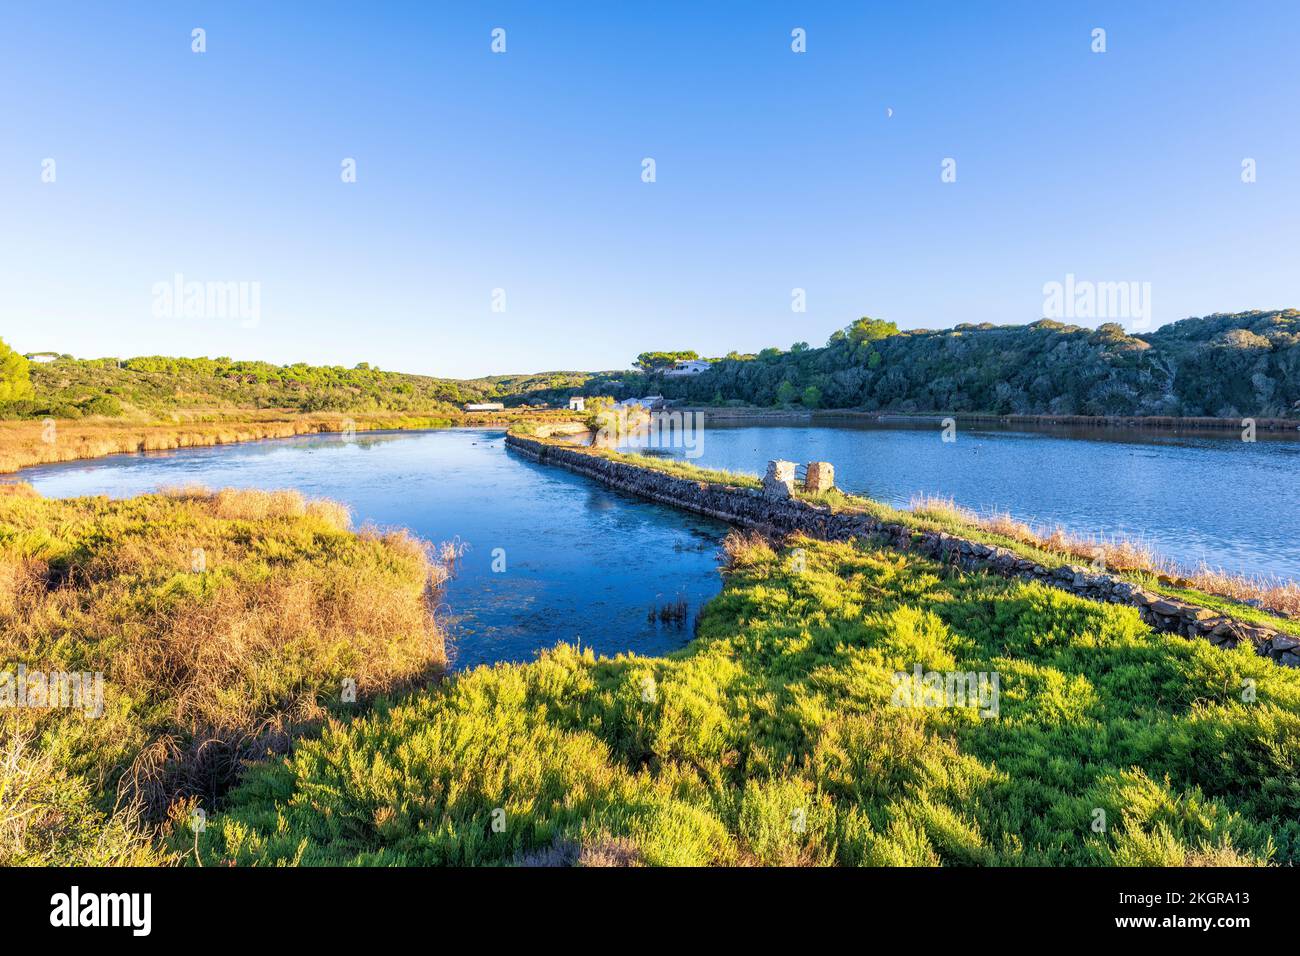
775, 738
223, 625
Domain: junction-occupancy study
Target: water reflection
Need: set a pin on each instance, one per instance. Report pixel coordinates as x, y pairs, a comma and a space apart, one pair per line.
584, 564
1193, 495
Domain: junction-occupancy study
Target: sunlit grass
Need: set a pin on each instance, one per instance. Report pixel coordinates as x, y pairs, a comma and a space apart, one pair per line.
772, 739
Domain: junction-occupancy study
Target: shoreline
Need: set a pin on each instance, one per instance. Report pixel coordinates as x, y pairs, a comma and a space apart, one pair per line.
31, 443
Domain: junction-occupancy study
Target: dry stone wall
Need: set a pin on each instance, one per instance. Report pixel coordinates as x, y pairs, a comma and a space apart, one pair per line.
749, 508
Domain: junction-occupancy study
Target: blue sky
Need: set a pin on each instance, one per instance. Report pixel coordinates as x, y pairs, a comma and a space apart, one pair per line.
522, 171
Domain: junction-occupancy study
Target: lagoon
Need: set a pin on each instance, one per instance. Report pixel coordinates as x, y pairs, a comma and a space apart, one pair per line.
582, 563
1192, 496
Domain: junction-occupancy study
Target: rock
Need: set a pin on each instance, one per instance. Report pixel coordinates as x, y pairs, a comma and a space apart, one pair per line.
1257, 635
1167, 608
820, 476
778, 483
1285, 642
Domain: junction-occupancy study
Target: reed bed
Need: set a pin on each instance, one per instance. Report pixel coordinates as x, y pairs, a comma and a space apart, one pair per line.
225, 624
27, 443
1119, 553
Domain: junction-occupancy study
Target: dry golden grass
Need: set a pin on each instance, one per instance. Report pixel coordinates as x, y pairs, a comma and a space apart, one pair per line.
745, 549
225, 623
27, 443
1118, 554
45, 814
1276, 593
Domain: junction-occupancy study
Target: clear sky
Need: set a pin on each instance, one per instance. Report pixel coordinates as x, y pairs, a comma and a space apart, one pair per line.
522, 171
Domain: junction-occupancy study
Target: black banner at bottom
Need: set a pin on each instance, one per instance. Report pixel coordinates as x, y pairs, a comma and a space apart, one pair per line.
339, 907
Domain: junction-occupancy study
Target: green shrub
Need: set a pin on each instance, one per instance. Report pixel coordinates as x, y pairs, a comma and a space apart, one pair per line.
774, 738
105, 405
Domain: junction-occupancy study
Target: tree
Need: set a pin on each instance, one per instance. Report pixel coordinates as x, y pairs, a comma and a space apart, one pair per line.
867, 329
657, 361
15, 380
812, 396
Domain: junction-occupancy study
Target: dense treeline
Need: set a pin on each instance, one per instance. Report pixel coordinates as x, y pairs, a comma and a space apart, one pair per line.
1222, 365
1245, 364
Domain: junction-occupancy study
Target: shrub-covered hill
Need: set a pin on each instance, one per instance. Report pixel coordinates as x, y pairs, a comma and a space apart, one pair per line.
153, 387
776, 738
223, 624
1247, 364
1228, 366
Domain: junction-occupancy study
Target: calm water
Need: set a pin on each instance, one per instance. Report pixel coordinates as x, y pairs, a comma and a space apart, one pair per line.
583, 564
1193, 497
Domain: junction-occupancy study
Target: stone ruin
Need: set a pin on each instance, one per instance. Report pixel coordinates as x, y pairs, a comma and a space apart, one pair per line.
820, 477
780, 479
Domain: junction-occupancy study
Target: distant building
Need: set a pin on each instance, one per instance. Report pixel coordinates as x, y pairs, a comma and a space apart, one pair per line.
687, 367
649, 403
577, 404
483, 406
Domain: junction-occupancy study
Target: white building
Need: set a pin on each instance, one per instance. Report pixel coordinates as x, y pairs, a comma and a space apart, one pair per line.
483, 406
687, 367
649, 403
577, 404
